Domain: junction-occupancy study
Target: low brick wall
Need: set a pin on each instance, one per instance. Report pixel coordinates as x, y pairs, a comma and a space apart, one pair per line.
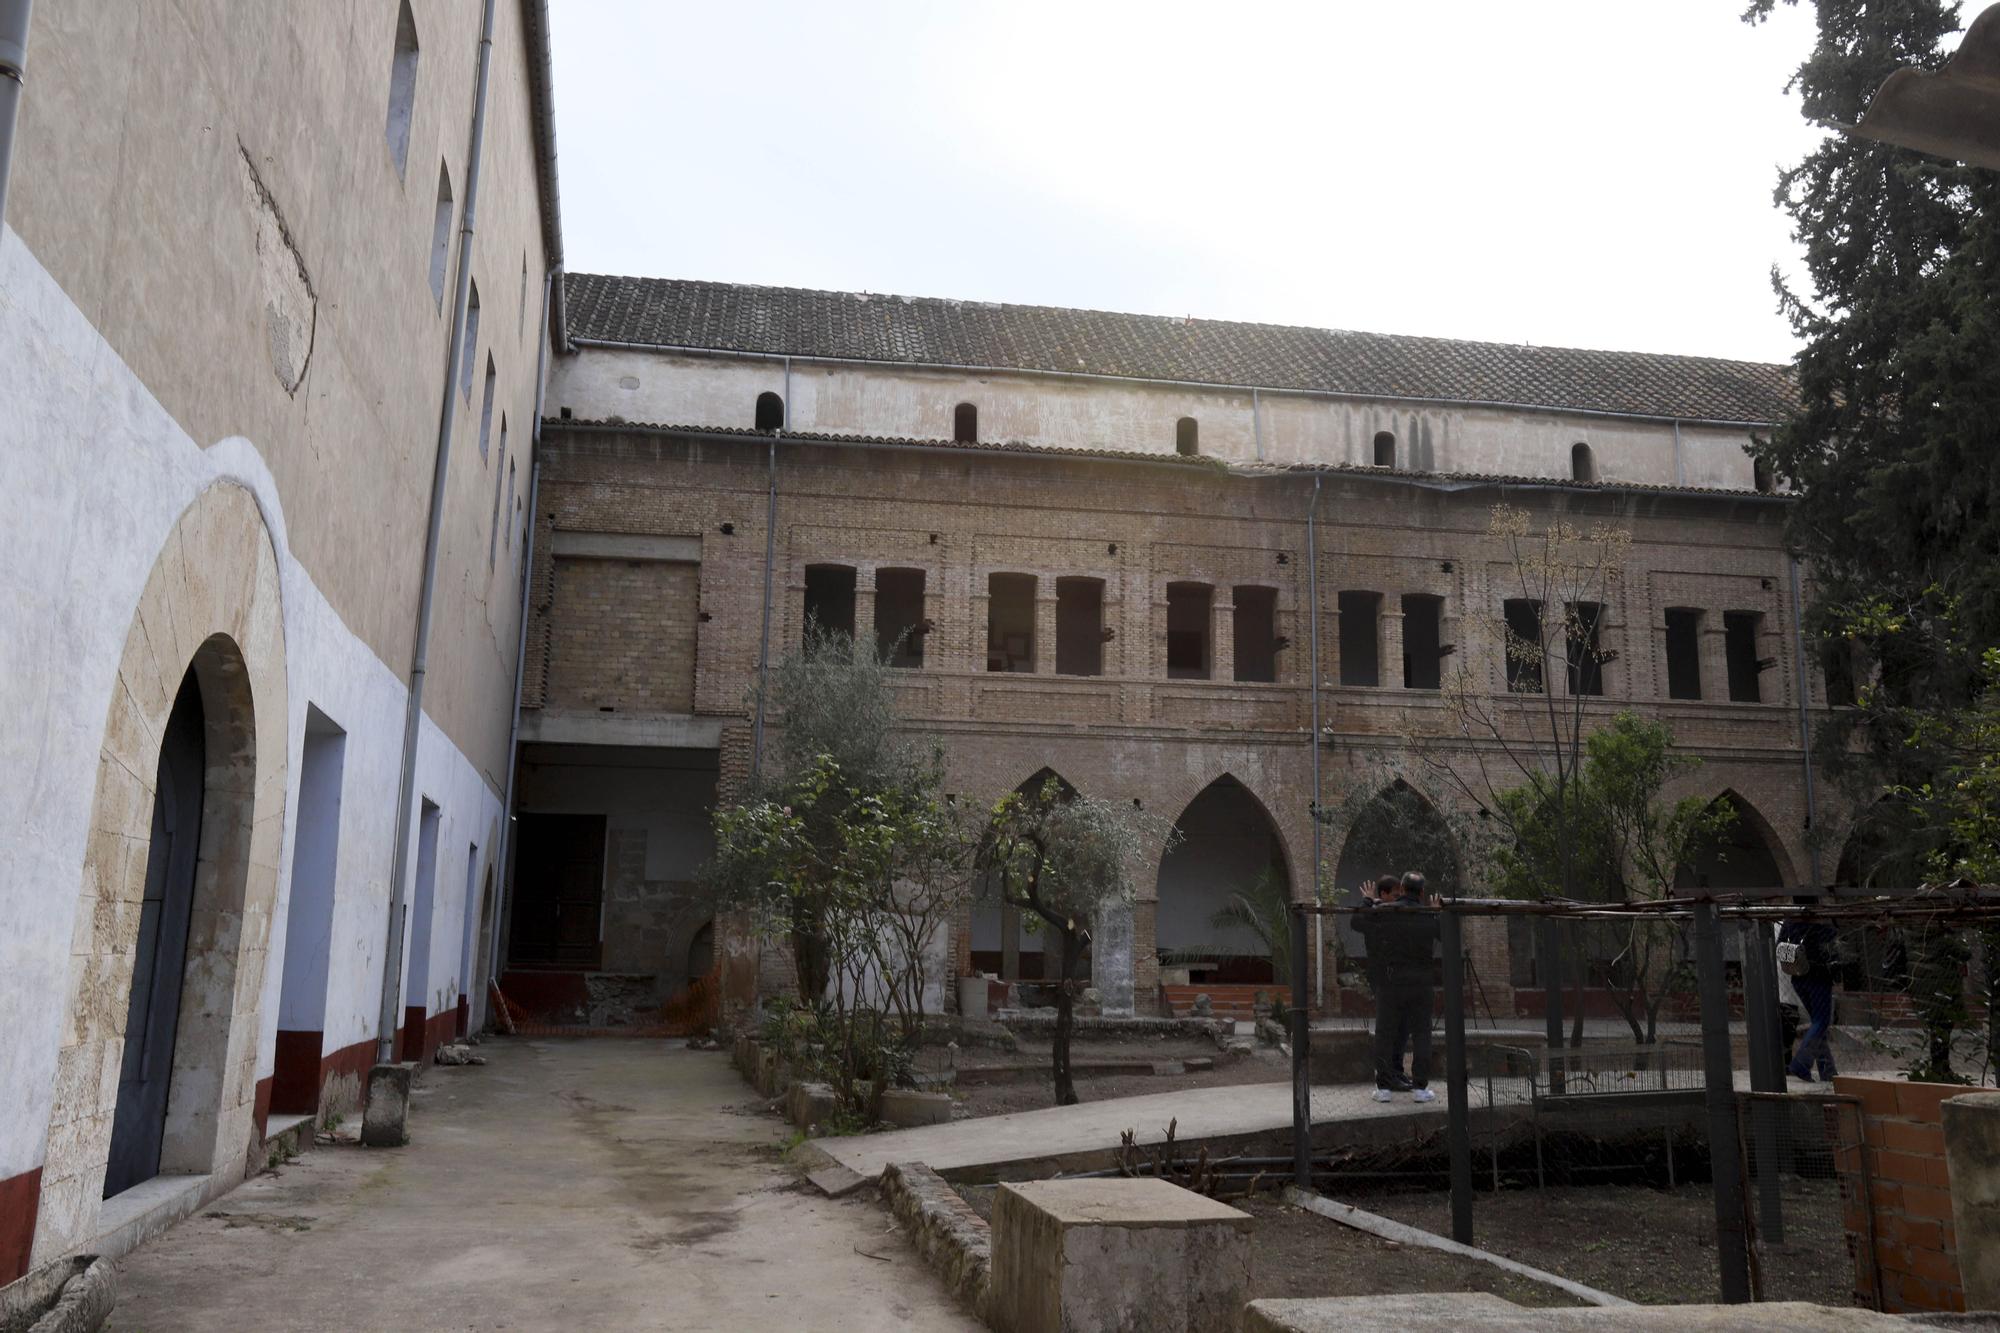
1909, 1187
953, 1239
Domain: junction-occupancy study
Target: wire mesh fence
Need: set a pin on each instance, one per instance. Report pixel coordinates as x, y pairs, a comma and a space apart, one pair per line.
1805, 1205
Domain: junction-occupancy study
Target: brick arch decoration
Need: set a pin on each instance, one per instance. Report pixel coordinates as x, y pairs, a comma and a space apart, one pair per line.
1753, 819
1179, 796
211, 605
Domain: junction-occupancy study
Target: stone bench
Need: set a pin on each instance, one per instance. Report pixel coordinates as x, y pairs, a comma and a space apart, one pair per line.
1116, 1254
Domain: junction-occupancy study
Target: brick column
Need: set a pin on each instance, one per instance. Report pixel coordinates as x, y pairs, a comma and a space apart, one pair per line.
1714, 658
1045, 625
1389, 641
978, 608
864, 605
1222, 637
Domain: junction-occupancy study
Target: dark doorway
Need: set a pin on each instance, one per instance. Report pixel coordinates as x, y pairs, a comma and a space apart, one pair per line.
153, 1013
1080, 627
558, 892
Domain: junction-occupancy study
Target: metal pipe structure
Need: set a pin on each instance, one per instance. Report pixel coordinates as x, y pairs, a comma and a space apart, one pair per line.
14, 16
770, 560
1318, 851
1458, 1101
1732, 1258
392, 958
1301, 1058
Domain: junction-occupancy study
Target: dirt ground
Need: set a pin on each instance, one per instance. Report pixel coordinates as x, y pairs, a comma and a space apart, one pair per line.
1031, 1088
1653, 1246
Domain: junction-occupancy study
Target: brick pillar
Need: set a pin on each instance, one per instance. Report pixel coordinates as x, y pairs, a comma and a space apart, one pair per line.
1329, 647
1045, 626
1775, 685
1389, 638
1145, 957
1714, 658
979, 607
864, 605
1222, 637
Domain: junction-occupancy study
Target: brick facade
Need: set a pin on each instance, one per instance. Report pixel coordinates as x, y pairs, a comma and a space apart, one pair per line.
1134, 732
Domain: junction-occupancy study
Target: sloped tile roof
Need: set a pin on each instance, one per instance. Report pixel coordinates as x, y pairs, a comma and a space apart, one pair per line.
733, 317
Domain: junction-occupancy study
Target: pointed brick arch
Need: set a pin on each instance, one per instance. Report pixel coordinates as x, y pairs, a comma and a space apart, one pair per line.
1733, 864
1228, 839
211, 609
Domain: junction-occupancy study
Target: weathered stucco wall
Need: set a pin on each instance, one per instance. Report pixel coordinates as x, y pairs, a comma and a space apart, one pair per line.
662, 388
218, 198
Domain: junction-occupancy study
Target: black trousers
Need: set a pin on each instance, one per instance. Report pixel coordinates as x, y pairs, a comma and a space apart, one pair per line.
1403, 1015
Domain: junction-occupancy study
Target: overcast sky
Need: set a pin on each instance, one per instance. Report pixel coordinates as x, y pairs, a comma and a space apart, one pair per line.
1591, 174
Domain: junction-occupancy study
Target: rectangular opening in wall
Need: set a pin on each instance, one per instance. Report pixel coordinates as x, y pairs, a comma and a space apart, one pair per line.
402, 88
1683, 652
1837, 656
441, 236
1582, 654
558, 897
899, 616
486, 409
1079, 627
1255, 625
1360, 650
470, 348
1010, 622
830, 598
493, 534
417, 960
1524, 647
1189, 618
1739, 643
1423, 642
309, 918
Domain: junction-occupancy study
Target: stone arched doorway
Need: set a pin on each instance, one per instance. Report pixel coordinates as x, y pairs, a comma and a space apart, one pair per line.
1228, 864
1396, 830
1003, 944
209, 620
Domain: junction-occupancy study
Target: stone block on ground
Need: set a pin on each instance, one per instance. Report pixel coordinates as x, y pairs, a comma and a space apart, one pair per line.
386, 1121
809, 1104
907, 1108
1972, 1152
1075, 1255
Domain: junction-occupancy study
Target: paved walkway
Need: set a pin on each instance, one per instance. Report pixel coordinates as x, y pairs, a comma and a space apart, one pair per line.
579, 1184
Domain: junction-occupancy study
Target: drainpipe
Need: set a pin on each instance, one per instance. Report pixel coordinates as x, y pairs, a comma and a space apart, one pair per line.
399, 869
1312, 595
1805, 726
505, 877
770, 556
13, 74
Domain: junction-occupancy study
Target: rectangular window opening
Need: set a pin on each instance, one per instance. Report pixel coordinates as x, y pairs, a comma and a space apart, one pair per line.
1739, 642
1524, 645
470, 348
499, 514
1010, 622
441, 236
1255, 625
486, 406
1842, 688
1360, 642
1423, 642
1683, 652
899, 616
1584, 656
1079, 627
830, 598
1189, 618
402, 88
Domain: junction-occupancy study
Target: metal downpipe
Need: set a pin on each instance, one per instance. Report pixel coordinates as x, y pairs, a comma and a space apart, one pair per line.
399, 866
14, 16
770, 556
1312, 596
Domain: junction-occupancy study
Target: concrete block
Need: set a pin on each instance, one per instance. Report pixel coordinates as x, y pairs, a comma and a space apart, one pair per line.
1972, 1150
906, 1108
385, 1124
1075, 1255
808, 1104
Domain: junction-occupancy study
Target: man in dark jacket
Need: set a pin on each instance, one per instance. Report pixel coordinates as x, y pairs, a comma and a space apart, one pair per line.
1809, 963
1401, 936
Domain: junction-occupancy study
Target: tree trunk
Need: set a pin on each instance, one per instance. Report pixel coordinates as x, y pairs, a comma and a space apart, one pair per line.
1065, 1021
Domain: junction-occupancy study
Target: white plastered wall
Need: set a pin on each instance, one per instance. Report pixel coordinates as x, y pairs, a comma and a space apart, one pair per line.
99, 473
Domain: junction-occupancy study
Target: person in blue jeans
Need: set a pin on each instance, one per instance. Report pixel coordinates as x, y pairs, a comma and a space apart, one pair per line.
1809, 963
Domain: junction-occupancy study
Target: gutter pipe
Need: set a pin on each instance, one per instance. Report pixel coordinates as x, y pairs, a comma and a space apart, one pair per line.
1205, 386
13, 77
1312, 595
392, 958
506, 877
770, 557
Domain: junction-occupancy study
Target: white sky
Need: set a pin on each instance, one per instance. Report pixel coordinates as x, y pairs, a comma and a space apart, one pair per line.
1586, 174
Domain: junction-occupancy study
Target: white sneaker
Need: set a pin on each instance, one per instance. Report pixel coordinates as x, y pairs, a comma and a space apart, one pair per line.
1423, 1095
1383, 1094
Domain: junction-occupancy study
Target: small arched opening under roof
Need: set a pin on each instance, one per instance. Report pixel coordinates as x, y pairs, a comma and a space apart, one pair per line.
1582, 467
770, 411
1761, 475
1385, 448
965, 424
1187, 437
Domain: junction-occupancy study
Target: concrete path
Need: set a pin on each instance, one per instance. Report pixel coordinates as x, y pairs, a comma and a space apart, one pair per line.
568, 1184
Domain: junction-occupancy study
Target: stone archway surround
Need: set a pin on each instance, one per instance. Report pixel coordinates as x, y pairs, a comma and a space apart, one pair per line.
211, 603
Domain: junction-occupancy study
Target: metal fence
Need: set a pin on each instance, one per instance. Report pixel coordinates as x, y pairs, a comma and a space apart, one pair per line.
1802, 1193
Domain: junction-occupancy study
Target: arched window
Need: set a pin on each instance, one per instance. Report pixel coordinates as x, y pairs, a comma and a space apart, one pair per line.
1385, 449
965, 424
770, 412
1187, 437
1582, 467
